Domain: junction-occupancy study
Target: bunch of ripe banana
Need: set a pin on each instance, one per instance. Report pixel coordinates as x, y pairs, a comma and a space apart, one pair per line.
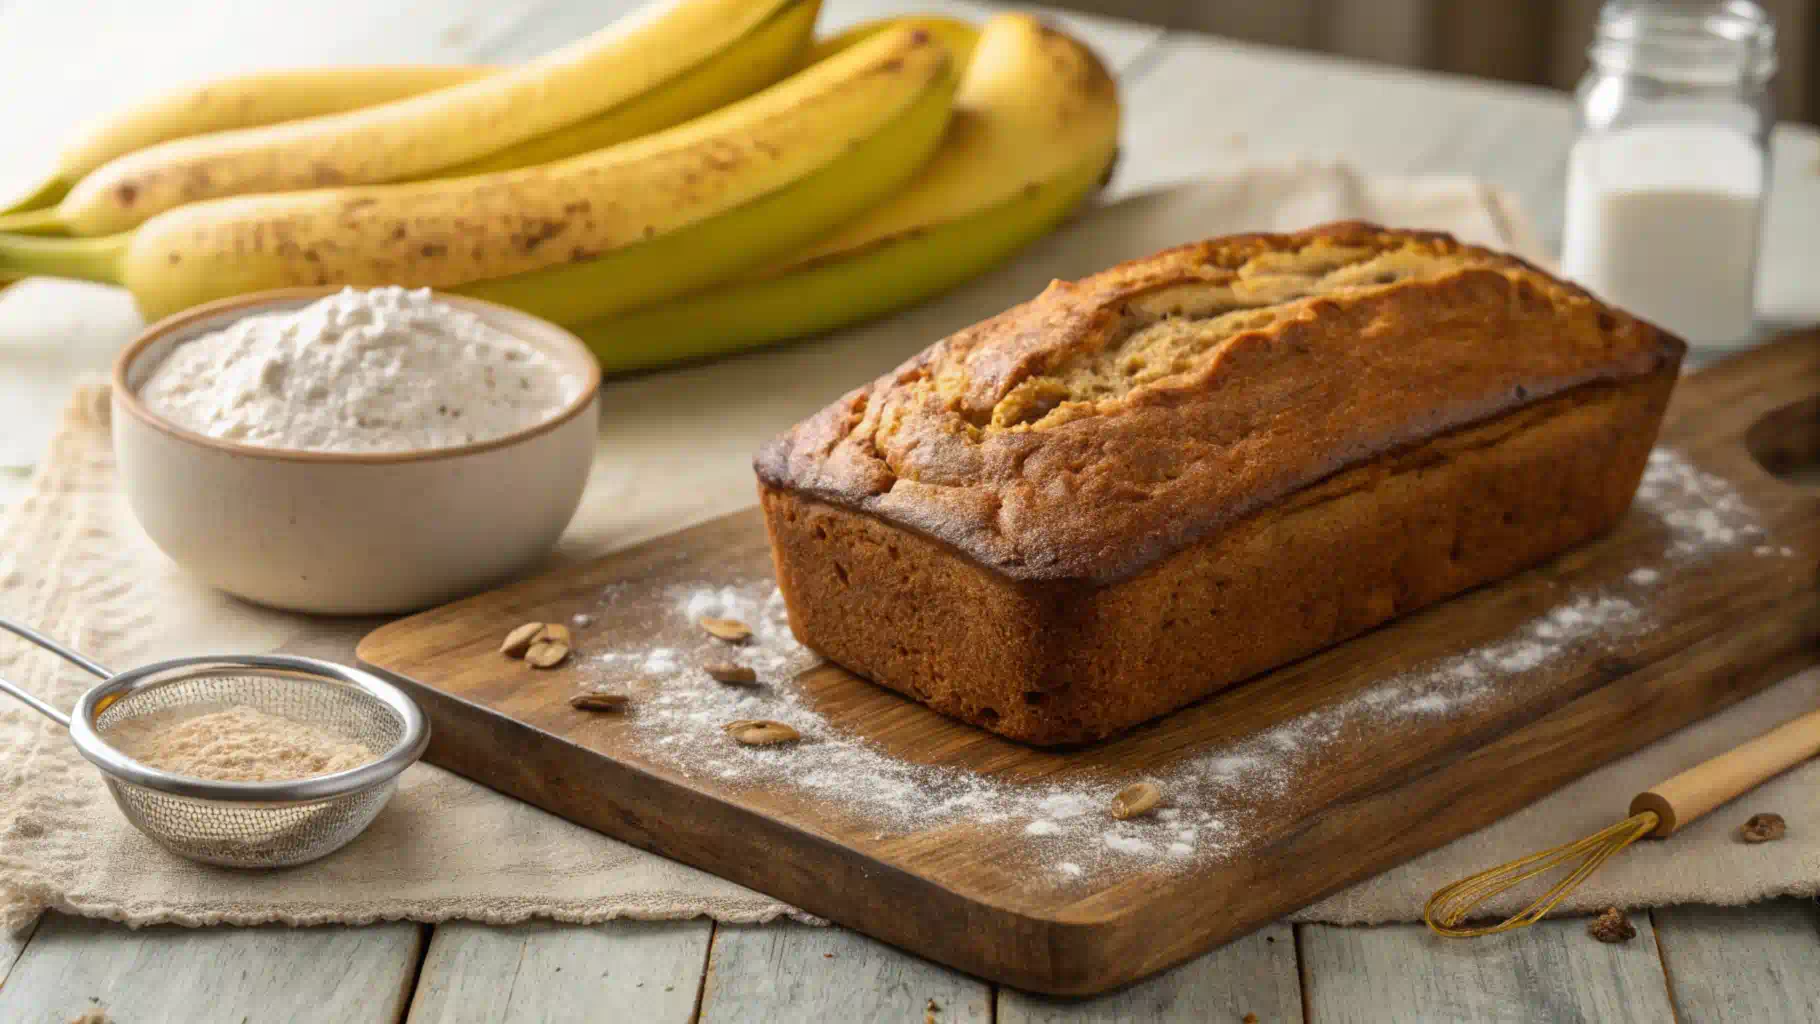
699, 177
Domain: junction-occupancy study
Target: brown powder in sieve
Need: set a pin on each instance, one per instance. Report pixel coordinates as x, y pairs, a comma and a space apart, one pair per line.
236, 744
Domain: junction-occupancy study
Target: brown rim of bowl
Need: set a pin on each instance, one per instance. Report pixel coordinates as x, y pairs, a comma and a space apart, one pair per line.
154, 332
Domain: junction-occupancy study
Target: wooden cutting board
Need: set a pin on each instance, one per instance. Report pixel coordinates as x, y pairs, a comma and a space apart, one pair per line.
1722, 623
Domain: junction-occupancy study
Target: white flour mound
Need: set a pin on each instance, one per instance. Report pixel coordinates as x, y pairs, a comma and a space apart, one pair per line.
386, 369
1067, 828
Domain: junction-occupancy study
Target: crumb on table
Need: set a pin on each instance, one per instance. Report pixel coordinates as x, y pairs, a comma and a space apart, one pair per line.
1611, 926
1763, 828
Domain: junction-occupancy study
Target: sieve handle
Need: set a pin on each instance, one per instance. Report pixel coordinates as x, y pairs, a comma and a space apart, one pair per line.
36, 705
73, 657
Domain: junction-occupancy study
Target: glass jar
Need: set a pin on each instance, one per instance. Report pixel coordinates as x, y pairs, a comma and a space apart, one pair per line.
1667, 179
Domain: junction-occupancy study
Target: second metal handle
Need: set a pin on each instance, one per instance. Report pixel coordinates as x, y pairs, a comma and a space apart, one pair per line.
35, 704
73, 657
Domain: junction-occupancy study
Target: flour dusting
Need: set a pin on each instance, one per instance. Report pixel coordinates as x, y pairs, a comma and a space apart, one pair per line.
1066, 827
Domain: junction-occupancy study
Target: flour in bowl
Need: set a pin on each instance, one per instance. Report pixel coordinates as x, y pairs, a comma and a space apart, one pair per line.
380, 370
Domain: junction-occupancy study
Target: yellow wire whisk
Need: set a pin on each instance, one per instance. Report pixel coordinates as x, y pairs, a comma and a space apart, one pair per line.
1659, 812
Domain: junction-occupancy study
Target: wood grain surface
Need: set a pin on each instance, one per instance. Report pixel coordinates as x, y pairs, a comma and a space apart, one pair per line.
969, 897
479, 974
1552, 971
1742, 963
174, 975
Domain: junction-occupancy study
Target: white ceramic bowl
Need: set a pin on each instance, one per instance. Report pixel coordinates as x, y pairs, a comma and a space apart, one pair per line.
342, 533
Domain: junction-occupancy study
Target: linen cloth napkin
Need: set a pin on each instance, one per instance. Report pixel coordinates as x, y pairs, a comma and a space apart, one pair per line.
673, 451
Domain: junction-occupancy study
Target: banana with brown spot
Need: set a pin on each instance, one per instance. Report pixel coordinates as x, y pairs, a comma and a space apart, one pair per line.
413, 137
761, 57
1034, 134
250, 100
585, 237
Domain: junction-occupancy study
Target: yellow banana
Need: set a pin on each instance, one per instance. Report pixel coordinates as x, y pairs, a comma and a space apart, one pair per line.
764, 55
957, 34
236, 101
420, 135
1034, 132
573, 240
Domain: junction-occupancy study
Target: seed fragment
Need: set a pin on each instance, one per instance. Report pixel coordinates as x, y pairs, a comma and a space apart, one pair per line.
758, 732
728, 672
732, 631
1763, 828
518, 641
547, 654
556, 632
599, 700
1135, 799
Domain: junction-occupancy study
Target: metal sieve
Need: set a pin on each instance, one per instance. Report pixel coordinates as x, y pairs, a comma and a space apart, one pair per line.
243, 824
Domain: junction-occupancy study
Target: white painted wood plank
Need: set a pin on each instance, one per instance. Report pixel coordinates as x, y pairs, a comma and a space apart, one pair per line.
790, 973
646, 971
171, 975
11, 945
1208, 105
1742, 963
1551, 973
1255, 975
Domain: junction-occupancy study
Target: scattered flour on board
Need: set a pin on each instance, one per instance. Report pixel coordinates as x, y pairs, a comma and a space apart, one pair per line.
1066, 827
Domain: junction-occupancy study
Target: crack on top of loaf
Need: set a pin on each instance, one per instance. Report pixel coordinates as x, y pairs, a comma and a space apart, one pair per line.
1153, 333
1173, 332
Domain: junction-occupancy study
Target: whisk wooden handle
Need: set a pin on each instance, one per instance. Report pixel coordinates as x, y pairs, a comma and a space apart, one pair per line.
1687, 796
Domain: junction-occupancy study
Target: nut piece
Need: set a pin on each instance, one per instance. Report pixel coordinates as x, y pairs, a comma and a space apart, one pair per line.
728, 672
1611, 926
519, 640
753, 732
732, 631
1763, 828
1135, 799
547, 654
556, 632
599, 700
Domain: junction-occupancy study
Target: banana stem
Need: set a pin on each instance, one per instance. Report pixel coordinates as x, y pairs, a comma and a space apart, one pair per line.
84, 259
48, 192
44, 221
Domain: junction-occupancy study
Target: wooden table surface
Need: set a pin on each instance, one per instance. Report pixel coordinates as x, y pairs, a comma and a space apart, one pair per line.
1194, 104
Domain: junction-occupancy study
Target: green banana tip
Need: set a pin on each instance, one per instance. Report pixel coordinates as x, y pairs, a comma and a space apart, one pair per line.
83, 259
47, 193
47, 220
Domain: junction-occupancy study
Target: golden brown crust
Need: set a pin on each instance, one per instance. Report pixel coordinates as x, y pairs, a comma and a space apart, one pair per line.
1062, 661
1112, 422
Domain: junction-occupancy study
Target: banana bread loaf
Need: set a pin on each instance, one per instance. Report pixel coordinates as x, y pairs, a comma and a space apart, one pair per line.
1142, 487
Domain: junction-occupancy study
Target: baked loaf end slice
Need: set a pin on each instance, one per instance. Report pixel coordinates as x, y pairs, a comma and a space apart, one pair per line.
1142, 487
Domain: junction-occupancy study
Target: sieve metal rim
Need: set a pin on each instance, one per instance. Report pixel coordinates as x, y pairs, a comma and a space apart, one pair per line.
412, 741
